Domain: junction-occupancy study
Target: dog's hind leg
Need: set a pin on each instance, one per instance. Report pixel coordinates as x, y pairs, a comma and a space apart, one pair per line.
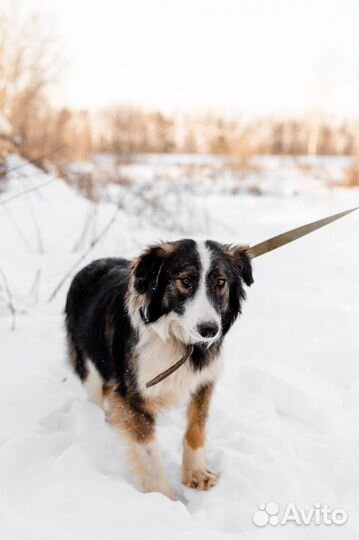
76, 358
133, 418
87, 373
195, 473
94, 385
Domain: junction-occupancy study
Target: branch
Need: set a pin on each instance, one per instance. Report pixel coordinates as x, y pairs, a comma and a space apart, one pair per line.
34, 188
18, 228
34, 291
90, 216
37, 159
84, 255
10, 302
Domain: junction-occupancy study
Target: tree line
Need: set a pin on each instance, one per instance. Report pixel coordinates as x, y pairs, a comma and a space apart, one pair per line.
30, 67
130, 130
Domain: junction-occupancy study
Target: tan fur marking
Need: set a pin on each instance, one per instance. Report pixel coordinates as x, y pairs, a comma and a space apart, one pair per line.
131, 416
134, 418
178, 286
195, 473
106, 390
197, 415
169, 247
233, 249
162, 249
236, 251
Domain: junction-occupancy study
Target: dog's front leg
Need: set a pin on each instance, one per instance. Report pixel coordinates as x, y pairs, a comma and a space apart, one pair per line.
133, 418
195, 473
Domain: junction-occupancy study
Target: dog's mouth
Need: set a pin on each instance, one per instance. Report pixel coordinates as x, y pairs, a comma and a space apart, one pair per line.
189, 336
197, 339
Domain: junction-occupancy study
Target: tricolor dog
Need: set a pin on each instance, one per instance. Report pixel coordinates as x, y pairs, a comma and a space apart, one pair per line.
128, 321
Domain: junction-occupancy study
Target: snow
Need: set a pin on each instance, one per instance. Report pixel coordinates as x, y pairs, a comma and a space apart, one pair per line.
284, 421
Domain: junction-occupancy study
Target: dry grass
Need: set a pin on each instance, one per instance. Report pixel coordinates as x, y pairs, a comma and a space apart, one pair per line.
351, 179
243, 165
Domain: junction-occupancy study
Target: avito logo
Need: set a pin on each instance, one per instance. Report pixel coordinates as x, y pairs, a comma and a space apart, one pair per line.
269, 514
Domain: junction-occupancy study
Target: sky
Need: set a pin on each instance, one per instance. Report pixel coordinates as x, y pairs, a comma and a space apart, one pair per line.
256, 57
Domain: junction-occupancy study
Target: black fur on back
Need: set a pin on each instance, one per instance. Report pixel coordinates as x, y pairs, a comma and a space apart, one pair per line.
97, 322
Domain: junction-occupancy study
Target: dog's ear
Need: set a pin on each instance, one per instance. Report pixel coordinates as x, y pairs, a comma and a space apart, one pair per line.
149, 279
146, 270
242, 261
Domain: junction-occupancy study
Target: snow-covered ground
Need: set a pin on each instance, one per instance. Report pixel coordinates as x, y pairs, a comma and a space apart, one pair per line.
284, 420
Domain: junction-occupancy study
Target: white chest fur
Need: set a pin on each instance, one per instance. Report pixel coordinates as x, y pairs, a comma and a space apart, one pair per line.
155, 356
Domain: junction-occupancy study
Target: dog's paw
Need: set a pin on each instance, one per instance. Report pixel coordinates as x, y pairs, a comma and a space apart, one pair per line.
201, 479
160, 487
167, 492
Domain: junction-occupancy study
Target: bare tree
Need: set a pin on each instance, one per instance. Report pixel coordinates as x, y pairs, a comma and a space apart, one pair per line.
29, 64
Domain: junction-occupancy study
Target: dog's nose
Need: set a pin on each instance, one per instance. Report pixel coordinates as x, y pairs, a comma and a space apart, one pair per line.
207, 330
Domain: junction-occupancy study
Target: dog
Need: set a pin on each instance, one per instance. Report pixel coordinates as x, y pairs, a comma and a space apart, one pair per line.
127, 321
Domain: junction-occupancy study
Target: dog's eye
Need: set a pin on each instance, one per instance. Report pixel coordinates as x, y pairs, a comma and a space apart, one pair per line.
221, 283
186, 282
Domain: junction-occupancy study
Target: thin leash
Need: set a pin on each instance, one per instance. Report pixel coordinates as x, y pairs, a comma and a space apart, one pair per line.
171, 369
256, 251
285, 238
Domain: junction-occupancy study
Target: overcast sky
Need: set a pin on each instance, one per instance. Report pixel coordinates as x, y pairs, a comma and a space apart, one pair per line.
253, 56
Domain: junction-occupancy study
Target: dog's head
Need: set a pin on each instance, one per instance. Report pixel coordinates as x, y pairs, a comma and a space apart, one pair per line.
192, 290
